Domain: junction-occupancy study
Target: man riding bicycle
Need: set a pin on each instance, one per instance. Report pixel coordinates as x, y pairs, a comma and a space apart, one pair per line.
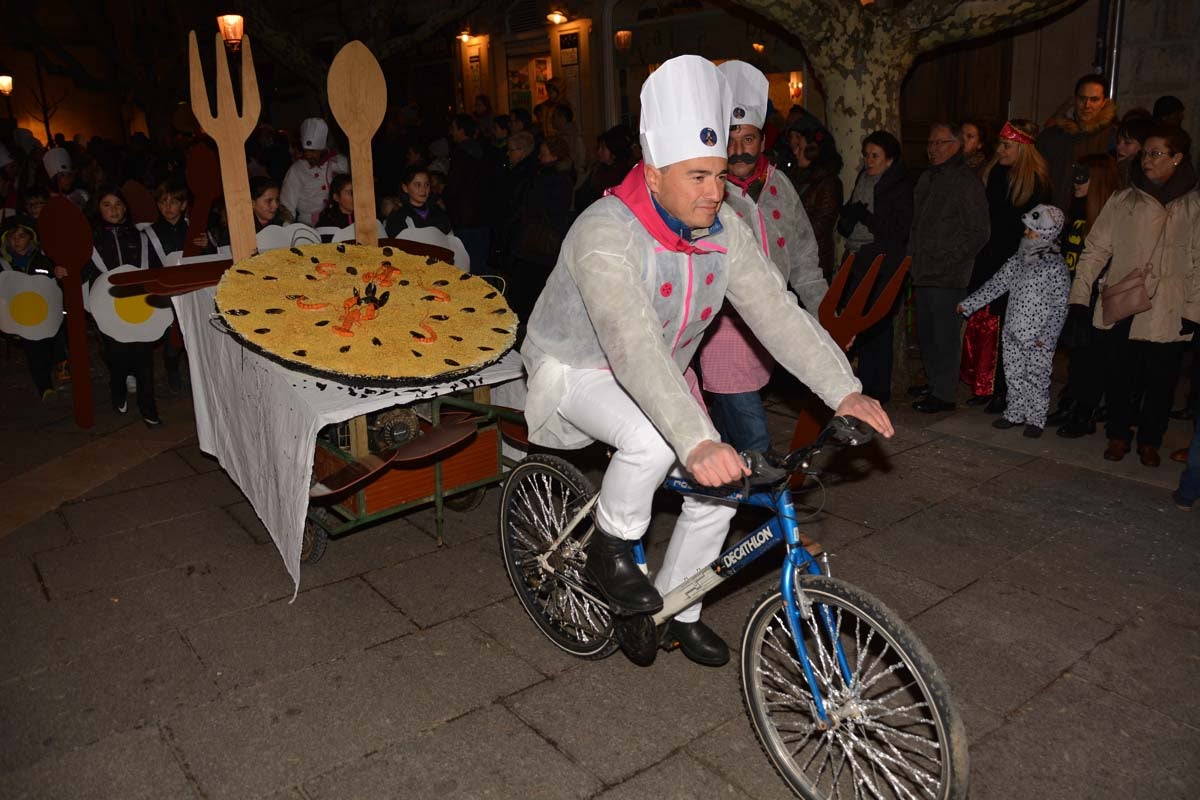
639, 277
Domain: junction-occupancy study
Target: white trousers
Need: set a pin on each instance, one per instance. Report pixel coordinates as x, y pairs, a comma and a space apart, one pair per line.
596, 404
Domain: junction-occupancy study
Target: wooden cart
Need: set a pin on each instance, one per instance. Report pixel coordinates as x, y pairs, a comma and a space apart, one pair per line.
456, 479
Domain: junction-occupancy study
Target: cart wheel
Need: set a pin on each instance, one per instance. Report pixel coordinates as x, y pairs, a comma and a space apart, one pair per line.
313, 545
466, 501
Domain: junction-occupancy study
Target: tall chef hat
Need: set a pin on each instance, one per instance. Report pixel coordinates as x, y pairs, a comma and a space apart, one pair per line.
56, 160
685, 112
749, 88
5, 157
313, 133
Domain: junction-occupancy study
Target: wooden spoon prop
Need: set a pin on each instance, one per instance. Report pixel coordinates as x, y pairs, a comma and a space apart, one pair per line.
358, 99
203, 178
429, 444
142, 207
230, 132
67, 239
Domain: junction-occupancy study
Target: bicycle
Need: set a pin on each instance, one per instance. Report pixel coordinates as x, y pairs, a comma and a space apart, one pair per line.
844, 699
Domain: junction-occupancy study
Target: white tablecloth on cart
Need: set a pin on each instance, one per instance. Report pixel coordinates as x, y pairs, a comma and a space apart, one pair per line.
260, 419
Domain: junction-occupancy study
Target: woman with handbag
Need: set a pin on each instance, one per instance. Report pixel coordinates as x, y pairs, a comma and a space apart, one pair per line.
1150, 302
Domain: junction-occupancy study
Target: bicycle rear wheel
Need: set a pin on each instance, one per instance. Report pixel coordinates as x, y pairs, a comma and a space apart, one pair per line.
541, 495
892, 729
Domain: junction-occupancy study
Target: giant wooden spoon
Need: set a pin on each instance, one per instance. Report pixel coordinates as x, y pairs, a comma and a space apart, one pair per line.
358, 99
67, 239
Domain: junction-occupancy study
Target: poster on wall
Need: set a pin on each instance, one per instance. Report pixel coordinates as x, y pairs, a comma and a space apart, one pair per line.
542, 74
519, 95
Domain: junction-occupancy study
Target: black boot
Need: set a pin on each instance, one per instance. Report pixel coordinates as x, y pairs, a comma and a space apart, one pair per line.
996, 405
698, 642
1081, 423
610, 566
1063, 413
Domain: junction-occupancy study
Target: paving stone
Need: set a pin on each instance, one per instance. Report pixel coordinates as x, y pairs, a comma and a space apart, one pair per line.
1045, 751
461, 526
254, 576
244, 515
951, 543
44, 533
19, 585
50, 712
196, 458
261, 643
679, 777
904, 593
998, 645
161, 468
590, 714
151, 505
509, 624
27, 448
133, 765
519, 763
302, 726
103, 562
383, 545
1152, 660
445, 584
732, 751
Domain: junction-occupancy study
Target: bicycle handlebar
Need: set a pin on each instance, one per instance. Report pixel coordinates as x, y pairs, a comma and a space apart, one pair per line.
764, 471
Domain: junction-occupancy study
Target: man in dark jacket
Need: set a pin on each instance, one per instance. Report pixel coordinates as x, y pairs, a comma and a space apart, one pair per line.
1088, 126
467, 189
950, 225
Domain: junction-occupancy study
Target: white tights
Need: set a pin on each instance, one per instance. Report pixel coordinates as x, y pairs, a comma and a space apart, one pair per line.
596, 404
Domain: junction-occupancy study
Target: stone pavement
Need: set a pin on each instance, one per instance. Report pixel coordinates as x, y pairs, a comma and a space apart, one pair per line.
150, 650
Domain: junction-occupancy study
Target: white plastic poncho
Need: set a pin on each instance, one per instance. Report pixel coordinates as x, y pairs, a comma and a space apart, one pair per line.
624, 299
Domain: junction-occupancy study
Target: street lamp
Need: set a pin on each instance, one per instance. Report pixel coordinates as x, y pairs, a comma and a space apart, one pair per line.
231, 27
556, 16
6, 86
623, 40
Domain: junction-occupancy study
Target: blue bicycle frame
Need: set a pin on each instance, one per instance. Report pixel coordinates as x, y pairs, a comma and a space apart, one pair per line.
781, 527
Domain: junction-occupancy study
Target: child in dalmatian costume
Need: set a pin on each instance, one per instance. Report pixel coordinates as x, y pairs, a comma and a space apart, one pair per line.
1038, 283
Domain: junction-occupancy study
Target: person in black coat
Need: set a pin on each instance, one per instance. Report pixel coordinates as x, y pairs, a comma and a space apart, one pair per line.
118, 241
415, 210
877, 223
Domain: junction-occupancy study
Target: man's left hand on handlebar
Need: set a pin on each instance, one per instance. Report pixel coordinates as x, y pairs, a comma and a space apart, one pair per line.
715, 464
868, 409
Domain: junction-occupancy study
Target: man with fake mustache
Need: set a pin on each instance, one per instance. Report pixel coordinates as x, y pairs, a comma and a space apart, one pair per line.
733, 365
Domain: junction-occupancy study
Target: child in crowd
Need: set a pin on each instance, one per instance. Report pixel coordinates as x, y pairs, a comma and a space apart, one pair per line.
118, 241
1038, 284
19, 251
416, 209
168, 234
339, 213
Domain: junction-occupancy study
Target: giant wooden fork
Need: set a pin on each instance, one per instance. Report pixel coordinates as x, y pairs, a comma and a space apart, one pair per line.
851, 321
230, 131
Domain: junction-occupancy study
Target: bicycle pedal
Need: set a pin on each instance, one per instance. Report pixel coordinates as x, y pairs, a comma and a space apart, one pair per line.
638, 638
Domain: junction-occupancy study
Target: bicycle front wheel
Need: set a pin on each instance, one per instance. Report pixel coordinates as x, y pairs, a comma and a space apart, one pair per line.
541, 495
891, 729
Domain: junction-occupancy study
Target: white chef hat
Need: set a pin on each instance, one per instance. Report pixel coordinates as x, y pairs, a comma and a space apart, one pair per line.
749, 88
5, 157
56, 160
313, 134
685, 112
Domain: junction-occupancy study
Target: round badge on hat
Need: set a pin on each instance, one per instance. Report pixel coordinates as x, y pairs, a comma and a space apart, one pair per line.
709, 137
127, 318
30, 305
739, 113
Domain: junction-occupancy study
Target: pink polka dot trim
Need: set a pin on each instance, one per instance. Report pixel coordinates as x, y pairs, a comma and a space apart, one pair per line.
706, 313
739, 213
781, 241
666, 289
774, 190
708, 279
665, 324
776, 214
